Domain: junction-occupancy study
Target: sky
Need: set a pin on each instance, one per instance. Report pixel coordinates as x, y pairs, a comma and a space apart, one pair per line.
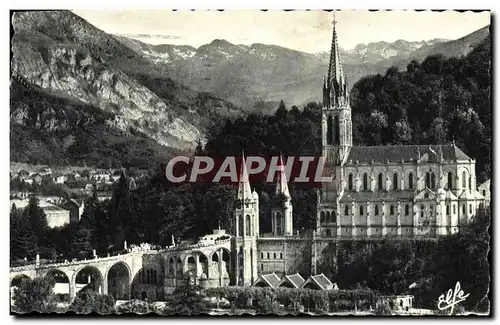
308, 31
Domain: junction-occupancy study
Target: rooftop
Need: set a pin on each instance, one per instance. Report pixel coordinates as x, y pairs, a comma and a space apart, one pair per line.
405, 153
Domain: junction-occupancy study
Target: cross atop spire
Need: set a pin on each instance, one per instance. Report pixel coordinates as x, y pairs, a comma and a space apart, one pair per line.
336, 80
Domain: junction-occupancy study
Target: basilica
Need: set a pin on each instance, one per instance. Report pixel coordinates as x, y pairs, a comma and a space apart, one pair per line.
400, 192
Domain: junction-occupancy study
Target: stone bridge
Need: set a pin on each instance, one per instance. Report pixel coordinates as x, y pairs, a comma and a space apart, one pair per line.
72, 276
138, 273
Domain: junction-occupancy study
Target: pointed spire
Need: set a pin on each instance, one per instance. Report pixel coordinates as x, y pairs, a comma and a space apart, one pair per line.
282, 184
336, 78
244, 191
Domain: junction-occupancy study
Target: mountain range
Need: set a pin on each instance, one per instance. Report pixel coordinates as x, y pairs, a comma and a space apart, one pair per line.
257, 76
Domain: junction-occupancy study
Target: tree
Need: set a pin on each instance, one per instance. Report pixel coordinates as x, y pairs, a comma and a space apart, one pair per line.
37, 219
23, 241
82, 242
35, 295
190, 300
87, 301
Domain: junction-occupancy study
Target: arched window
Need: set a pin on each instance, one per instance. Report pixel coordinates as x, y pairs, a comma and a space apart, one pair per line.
350, 182
279, 223
240, 225
322, 217
463, 209
450, 181
454, 209
334, 216
328, 217
361, 210
391, 210
470, 184
380, 182
281, 256
422, 211
262, 267
428, 180
267, 255
410, 181
274, 255
328, 233
470, 208
248, 226
346, 210
262, 255
395, 181
464, 180
433, 181
336, 130
376, 210
365, 182
329, 130
407, 210
447, 209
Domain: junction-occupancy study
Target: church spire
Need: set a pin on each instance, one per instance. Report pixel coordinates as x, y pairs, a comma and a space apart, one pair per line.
336, 79
282, 184
244, 191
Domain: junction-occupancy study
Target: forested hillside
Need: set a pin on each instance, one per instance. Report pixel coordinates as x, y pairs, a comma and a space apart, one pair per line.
436, 102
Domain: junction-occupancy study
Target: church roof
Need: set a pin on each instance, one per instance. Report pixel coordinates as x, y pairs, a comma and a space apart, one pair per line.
366, 196
406, 153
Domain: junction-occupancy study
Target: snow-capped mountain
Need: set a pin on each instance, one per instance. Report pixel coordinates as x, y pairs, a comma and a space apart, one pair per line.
249, 74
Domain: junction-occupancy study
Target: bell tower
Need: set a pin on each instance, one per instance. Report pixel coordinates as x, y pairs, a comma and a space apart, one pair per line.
336, 111
246, 230
336, 128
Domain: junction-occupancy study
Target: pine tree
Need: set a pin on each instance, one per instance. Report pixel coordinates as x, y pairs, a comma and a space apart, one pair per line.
23, 241
82, 242
37, 219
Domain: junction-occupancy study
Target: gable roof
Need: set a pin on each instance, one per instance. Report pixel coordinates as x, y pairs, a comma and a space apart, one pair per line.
406, 153
485, 184
270, 279
449, 195
320, 280
426, 194
294, 279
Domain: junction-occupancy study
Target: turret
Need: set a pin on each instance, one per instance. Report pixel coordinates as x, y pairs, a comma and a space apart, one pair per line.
282, 210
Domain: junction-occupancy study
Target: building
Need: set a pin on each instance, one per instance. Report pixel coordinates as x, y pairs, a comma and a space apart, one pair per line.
60, 179
378, 191
484, 189
56, 216
398, 303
